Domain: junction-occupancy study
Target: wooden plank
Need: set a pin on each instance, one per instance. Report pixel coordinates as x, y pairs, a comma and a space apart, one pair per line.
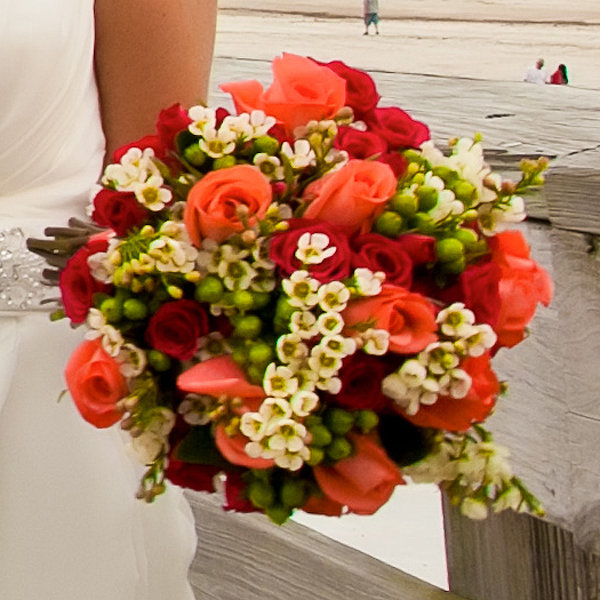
514, 556
550, 419
573, 198
246, 556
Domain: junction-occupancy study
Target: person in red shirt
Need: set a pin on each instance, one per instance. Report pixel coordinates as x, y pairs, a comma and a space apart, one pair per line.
559, 77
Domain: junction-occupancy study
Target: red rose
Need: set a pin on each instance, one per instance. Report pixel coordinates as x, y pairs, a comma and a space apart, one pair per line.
397, 128
523, 283
175, 328
458, 414
95, 383
235, 494
77, 286
379, 253
477, 288
420, 248
360, 144
192, 476
148, 141
284, 245
361, 376
395, 161
170, 122
361, 93
118, 210
364, 481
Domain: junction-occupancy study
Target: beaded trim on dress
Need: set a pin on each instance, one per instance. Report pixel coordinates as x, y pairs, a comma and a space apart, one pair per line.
21, 287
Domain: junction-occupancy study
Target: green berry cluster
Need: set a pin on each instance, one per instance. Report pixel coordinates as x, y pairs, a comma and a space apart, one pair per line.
277, 492
197, 160
329, 431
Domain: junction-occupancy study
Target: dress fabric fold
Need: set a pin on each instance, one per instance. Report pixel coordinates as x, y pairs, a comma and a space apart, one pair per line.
70, 525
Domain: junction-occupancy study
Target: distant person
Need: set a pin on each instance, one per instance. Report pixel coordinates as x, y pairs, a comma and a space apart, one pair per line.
371, 12
537, 73
559, 77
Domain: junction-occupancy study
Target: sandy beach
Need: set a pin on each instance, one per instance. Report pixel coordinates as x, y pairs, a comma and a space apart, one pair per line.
478, 39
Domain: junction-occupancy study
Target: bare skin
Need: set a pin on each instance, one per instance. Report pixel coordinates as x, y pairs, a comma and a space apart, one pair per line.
150, 54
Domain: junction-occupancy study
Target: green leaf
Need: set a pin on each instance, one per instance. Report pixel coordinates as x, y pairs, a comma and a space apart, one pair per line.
198, 447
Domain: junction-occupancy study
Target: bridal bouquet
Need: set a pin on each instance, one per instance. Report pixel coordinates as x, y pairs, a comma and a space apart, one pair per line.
298, 304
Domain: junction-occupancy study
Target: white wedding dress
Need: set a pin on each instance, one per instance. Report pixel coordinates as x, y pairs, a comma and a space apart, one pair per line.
70, 527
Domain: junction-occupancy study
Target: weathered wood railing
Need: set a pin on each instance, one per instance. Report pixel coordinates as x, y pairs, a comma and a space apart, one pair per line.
550, 418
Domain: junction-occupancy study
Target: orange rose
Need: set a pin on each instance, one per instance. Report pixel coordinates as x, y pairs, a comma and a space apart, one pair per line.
364, 481
453, 414
322, 505
409, 318
95, 383
232, 447
221, 376
353, 196
523, 283
211, 210
301, 91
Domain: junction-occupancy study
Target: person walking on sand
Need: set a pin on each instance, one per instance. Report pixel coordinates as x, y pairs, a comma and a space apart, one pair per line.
537, 73
371, 15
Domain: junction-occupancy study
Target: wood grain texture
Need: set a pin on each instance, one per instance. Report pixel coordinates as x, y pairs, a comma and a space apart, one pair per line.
246, 557
572, 196
517, 557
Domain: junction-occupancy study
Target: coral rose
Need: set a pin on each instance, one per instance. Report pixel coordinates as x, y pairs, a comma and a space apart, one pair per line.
351, 197
454, 414
232, 447
364, 481
220, 376
212, 206
322, 505
301, 91
523, 283
95, 383
409, 318
217, 377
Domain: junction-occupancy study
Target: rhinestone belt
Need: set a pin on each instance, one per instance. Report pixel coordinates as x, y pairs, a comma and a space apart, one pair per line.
21, 287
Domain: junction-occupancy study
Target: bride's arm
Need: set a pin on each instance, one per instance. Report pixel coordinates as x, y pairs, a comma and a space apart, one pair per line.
150, 54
